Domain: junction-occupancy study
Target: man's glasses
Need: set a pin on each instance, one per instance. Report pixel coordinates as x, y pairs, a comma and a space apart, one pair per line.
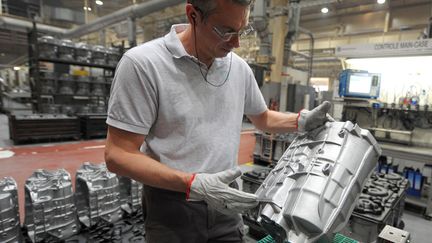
226, 36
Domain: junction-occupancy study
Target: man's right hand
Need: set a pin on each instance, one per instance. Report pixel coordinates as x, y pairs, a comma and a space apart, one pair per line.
214, 190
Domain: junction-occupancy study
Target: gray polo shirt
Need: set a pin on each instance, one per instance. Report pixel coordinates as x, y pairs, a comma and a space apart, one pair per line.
158, 91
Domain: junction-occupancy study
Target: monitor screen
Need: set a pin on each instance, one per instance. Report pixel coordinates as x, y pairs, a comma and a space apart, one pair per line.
360, 84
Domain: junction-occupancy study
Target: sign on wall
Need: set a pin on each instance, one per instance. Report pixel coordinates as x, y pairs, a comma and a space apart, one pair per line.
387, 49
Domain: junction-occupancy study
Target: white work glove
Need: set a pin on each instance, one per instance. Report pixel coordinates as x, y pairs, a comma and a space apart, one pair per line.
309, 120
214, 190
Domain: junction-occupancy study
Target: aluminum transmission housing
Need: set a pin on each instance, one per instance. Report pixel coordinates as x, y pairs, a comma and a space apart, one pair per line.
313, 189
130, 195
10, 228
97, 195
50, 212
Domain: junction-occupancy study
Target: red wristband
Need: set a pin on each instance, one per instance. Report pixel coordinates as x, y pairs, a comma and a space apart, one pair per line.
189, 184
297, 119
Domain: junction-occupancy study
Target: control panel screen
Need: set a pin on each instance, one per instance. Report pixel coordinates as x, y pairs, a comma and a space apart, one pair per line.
360, 84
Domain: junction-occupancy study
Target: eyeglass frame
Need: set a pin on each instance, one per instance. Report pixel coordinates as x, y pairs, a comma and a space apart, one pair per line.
229, 35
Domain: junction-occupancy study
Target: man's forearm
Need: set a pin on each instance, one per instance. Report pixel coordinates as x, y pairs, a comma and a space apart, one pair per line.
275, 122
142, 168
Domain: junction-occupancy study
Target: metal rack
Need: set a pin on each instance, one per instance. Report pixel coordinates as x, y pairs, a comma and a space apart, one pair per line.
42, 97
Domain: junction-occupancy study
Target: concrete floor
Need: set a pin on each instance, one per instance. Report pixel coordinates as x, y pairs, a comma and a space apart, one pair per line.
21, 161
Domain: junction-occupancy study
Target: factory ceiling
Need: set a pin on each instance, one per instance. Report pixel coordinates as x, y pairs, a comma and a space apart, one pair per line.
68, 14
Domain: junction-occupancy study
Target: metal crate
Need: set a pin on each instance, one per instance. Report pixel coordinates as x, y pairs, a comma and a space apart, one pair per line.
43, 127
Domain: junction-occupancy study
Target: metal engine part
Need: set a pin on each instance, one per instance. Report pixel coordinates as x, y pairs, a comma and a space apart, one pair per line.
10, 229
113, 55
66, 50
130, 195
99, 54
50, 212
48, 82
312, 191
83, 52
66, 84
83, 85
48, 47
97, 194
98, 86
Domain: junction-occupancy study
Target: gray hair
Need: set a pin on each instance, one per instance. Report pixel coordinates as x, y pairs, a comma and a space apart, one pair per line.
206, 7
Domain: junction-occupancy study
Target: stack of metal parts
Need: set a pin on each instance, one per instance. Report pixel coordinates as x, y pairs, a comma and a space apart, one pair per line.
66, 84
48, 80
43, 127
50, 213
130, 195
270, 147
98, 195
98, 86
83, 52
66, 50
113, 55
10, 229
99, 54
381, 203
312, 191
99, 109
83, 85
48, 47
85, 109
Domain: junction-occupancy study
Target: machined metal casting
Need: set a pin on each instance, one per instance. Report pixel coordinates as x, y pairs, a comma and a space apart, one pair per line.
130, 195
50, 212
313, 189
97, 195
10, 228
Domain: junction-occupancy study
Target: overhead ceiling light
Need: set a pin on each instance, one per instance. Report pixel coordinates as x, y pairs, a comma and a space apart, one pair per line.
17, 68
381, 1
99, 2
87, 8
324, 10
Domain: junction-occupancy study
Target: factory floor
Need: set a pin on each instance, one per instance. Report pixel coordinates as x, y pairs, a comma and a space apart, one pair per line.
21, 161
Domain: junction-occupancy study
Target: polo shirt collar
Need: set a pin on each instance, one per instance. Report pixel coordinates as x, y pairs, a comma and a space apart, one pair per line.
173, 43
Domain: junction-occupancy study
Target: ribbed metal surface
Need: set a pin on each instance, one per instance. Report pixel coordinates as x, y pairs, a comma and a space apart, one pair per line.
98, 195
50, 212
10, 230
313, 189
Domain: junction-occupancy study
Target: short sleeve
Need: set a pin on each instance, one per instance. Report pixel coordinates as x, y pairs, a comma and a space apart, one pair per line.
133, 101
254, 100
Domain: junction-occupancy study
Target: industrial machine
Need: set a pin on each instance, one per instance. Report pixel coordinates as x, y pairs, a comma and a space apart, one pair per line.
359, 84
312, 191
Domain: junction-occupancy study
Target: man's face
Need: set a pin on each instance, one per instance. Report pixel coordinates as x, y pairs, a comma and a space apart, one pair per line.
228, 17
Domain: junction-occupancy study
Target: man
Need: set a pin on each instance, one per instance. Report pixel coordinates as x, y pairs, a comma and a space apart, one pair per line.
175, 117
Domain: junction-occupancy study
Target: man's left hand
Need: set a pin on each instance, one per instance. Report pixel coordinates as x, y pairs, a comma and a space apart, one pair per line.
309, 120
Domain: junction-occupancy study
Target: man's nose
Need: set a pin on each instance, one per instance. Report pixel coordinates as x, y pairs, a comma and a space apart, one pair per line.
234, 41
